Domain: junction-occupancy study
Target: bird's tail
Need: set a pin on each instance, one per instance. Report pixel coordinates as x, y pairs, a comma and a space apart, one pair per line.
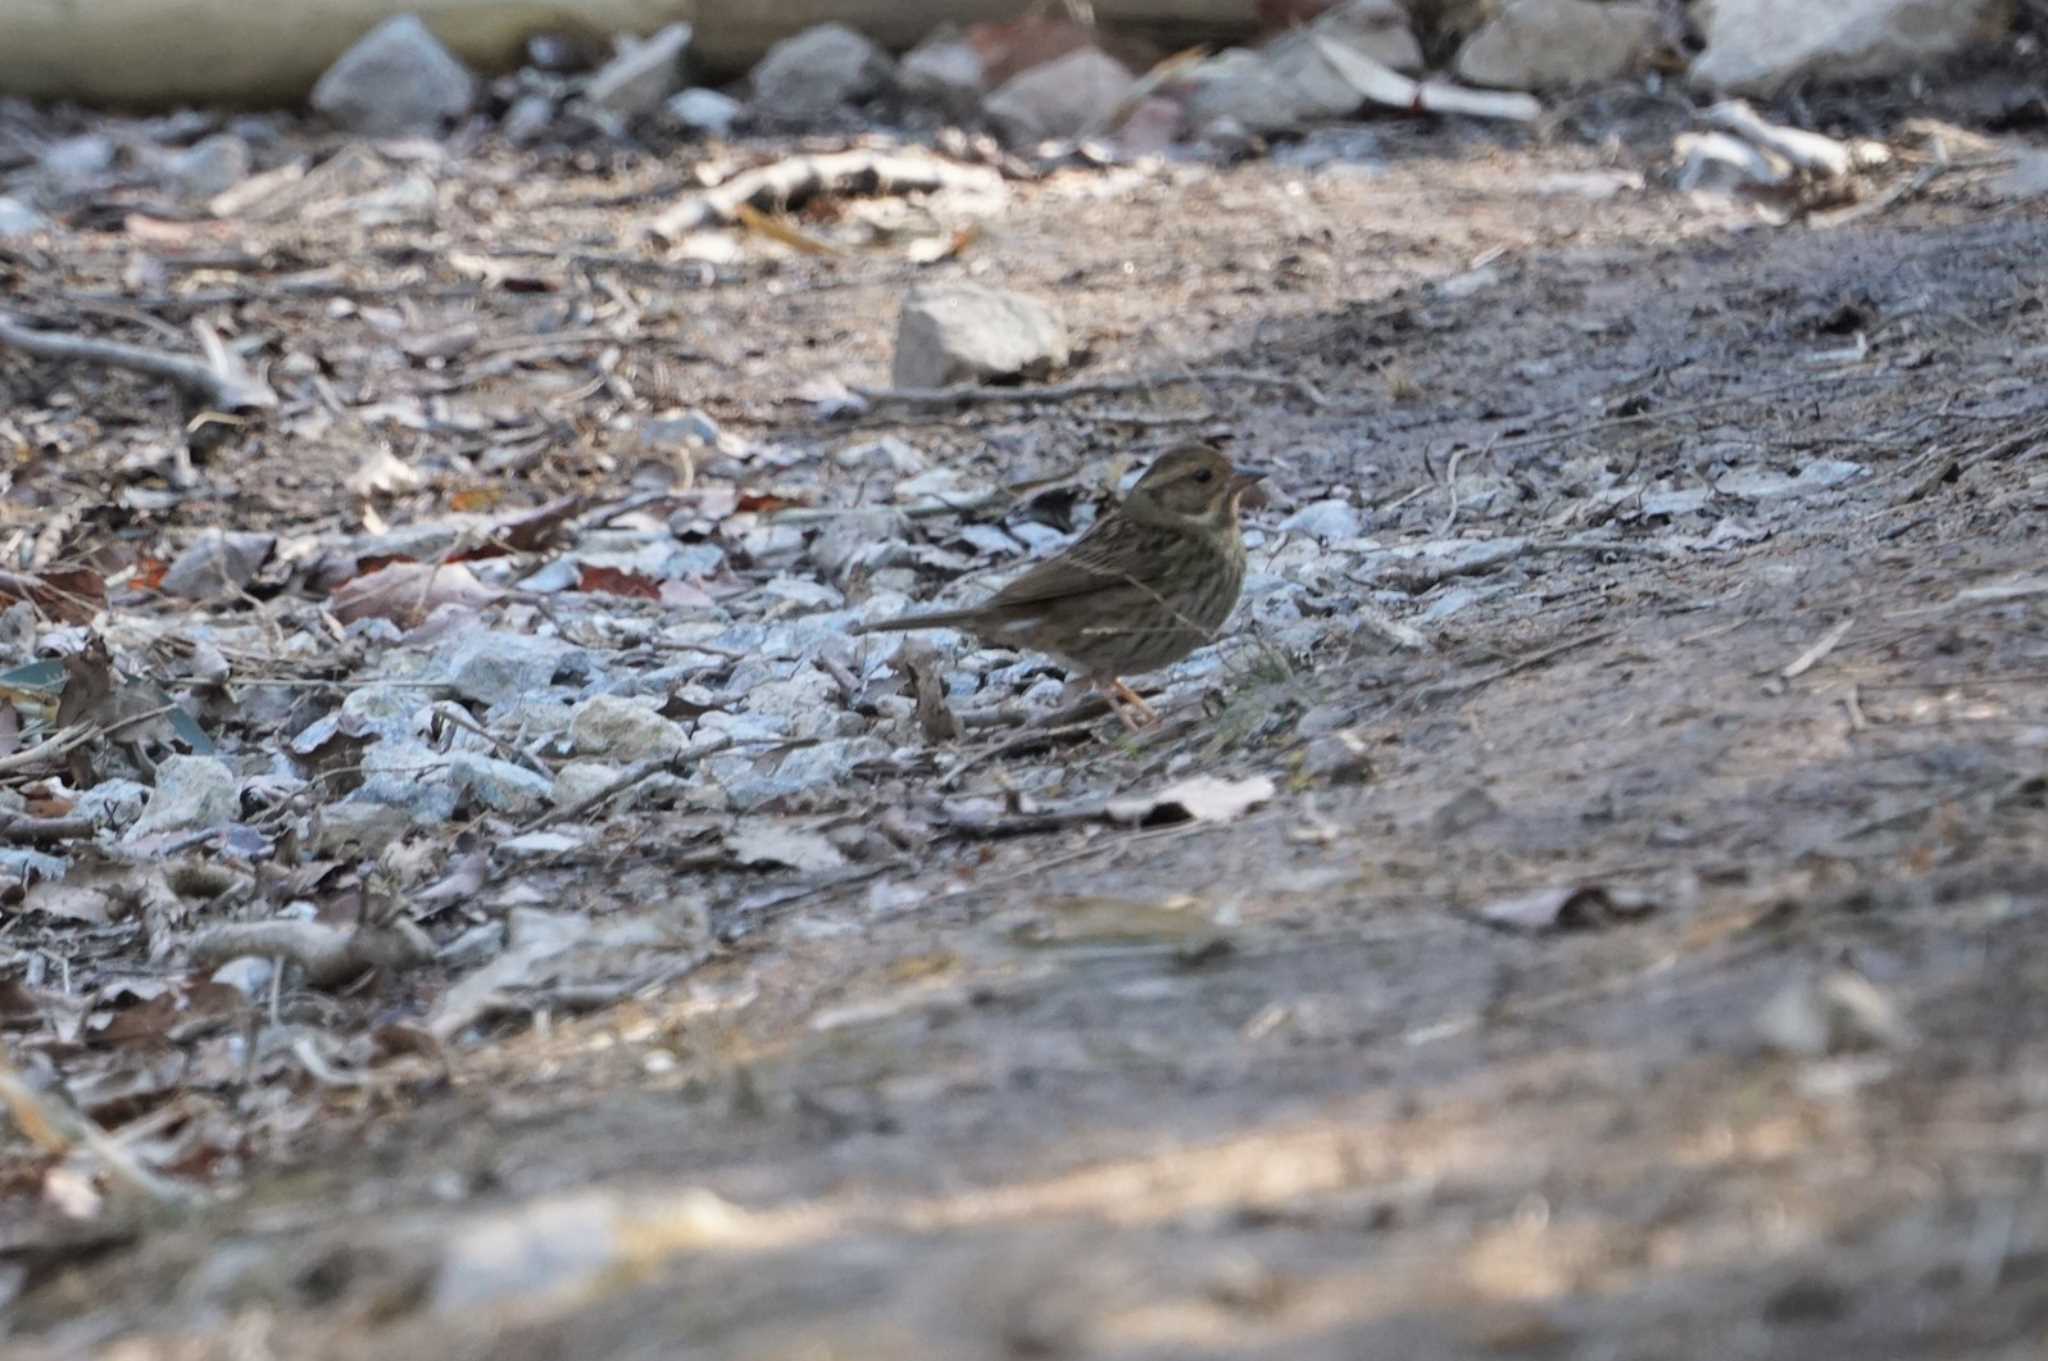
934, 619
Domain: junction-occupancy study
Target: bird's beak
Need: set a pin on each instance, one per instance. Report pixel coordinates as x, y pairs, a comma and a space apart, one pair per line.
1244, 486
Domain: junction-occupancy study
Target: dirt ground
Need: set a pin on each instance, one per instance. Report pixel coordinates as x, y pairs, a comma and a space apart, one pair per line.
1294, 1084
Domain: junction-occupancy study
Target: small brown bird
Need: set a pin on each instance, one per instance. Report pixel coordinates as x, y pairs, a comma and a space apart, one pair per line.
1152, 581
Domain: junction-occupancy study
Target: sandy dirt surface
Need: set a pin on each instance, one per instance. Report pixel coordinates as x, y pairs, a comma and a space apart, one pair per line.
1656, 977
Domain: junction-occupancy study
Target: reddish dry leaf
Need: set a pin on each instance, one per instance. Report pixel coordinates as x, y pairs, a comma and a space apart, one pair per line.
617, 581
1006, 49
407, 592
70, 597
536, 528
148, 1020
476, 500
763, 502
149, 572
17, 999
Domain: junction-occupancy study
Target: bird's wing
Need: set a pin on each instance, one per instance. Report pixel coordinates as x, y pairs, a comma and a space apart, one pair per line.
1100, 560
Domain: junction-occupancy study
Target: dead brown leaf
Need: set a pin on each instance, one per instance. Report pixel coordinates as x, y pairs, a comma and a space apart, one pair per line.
407, 592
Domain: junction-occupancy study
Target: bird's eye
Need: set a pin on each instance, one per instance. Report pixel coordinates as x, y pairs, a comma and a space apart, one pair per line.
1206, 475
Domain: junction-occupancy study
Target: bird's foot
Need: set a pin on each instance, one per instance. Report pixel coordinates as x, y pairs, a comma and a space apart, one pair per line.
1127, 704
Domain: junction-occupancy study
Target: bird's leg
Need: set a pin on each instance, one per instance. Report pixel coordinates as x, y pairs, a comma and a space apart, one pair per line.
1112, 690
1117, 690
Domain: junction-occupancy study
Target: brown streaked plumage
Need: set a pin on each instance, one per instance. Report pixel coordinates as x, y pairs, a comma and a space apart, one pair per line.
1153, 580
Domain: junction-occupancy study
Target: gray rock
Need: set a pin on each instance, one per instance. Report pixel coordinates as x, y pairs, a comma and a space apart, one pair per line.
191, 791
408, 776
529, 119
112, 803
624, 730
807, 700
1764, 483
1330, 521
23, 867
823, 765
1760, 46
707, 111
819, 70
1289, 81
1557, 44
945, 72
368, 711
397, 80
248, 975
692, 429
217, 564
499, 785
478, 945
761, 545
1065, 98
209, 166
637, 80
1339, 757
357, 829
797, 590
500, 668
953, 333
580, 780
18, 219
887, 454
78, 160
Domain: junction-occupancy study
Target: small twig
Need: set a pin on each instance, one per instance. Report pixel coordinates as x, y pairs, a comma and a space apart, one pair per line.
57, 744
1822, 646
638, 774
1451, 489
219, 381
499, 744
1457, 687
329, 955
1039, 734
38, 830
1898, 193
973, 394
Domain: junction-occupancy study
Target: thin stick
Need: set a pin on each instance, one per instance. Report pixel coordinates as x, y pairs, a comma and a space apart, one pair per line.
219, 382
973, 394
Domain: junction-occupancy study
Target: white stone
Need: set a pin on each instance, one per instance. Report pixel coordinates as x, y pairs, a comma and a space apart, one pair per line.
1553, 44
1063, 98
191, 791
945, 71
398, 79
819, 70
706, 111
18, 219
965, 333
1759, 46
624, 729
1289, 81
641, 77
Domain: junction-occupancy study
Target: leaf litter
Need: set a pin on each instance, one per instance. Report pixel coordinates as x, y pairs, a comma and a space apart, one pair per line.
499, 673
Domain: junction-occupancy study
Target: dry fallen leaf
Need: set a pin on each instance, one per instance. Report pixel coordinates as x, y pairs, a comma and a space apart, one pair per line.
765, 841
407, 592
1199, 798
1566, 908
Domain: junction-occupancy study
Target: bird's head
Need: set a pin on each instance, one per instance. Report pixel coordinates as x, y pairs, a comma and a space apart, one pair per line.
1191, 486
